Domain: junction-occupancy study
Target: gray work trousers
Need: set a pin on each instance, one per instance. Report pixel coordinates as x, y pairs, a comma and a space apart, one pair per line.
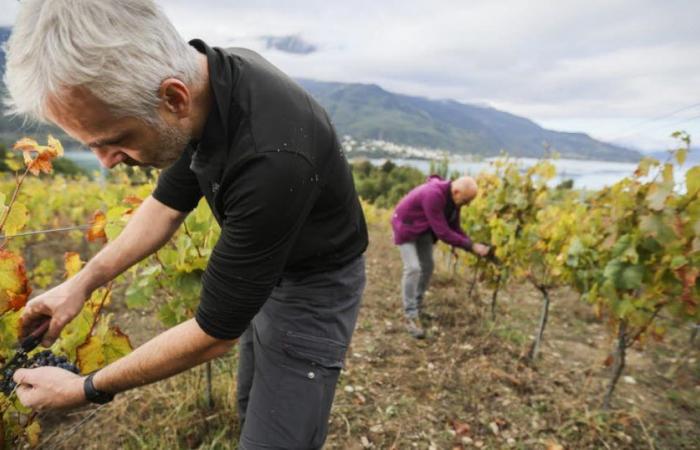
291, 356
418, 266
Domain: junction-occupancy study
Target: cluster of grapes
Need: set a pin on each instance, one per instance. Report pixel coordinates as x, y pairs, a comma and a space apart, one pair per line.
41, 359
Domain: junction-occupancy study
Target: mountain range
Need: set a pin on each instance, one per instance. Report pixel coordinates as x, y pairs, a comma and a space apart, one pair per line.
366, 111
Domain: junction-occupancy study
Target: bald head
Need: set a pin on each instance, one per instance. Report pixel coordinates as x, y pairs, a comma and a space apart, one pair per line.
464, 190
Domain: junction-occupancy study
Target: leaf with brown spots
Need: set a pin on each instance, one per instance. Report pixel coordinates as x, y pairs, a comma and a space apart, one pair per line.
38, 157
14, 286
97, 227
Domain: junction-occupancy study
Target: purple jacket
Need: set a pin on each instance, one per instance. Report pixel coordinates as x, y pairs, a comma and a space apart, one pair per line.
429, 207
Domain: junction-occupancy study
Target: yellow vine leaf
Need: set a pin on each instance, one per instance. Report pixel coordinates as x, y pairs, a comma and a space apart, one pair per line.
73, 263
38, 157
104, 346
25, 145
97, 227
133, 200
14, 287
16, 219
33, 433
13, 164
55, 146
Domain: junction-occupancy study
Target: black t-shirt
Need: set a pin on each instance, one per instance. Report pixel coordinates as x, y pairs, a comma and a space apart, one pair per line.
270, 166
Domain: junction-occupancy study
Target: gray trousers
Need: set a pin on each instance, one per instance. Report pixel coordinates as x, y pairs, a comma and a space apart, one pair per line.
418, 266
291, 356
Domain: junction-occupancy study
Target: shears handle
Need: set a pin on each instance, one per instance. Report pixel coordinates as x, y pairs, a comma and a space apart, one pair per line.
30, 342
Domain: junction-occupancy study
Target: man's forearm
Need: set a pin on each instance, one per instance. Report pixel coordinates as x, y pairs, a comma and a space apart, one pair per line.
151, 226
173, 351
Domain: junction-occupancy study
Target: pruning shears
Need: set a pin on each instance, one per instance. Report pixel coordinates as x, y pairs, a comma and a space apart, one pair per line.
28, 344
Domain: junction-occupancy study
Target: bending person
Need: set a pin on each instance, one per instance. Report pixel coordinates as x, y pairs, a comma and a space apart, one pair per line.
428, 213
287, 274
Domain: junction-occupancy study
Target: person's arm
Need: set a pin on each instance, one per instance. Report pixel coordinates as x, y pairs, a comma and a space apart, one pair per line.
476, 248
151, 226
173, 351
261, 225
433, 204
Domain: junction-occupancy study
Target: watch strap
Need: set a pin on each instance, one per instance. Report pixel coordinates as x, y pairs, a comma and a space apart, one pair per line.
94, 395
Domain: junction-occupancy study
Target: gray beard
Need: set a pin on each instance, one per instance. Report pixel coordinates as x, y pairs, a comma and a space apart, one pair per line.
172, 143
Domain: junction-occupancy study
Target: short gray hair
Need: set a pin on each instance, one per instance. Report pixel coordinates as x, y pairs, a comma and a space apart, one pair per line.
120, 51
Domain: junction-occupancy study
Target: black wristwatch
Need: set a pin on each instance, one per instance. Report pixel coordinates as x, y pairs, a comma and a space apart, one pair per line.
93, 395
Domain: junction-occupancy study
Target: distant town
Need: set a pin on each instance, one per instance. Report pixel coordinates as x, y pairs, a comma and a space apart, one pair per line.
377, 148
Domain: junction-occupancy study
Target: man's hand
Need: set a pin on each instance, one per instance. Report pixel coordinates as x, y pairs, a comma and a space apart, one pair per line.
47, 388
480, 249
61, 304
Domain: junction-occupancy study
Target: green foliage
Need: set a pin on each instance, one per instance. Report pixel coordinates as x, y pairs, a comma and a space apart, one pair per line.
41, 202
384, 186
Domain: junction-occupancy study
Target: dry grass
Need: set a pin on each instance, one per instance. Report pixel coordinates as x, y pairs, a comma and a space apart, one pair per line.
466, 386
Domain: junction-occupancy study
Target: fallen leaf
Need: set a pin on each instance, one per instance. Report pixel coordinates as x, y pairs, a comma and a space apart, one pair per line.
608, 361
461, 428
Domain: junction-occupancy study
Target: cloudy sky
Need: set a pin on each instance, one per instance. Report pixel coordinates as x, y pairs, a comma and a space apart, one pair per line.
623, 71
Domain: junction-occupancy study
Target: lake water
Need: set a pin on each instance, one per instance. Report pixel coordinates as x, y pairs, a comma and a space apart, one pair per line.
85, 160
585, 174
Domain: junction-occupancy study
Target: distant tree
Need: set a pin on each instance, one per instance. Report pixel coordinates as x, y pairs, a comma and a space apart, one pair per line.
386, 184
566, 184
388, 166
440, 167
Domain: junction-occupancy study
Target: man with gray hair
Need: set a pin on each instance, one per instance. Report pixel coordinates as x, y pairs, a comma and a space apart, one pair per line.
428, 213
287, 274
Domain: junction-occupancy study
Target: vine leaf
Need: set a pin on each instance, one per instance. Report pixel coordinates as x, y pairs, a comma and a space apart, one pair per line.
692, 180
33, 432
16, 219
73, 263
97, 227
14, 286
104, 346
38, 157
133, 200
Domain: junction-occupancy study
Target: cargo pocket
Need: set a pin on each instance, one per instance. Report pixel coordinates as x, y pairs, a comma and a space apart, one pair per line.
308, 373
316, 358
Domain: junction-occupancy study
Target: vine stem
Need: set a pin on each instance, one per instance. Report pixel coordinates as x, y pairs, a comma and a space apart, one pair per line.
209, 393
187, 232
18, 185
494, 296
623, 343
535, 348
619, 362
641, 330
99, 309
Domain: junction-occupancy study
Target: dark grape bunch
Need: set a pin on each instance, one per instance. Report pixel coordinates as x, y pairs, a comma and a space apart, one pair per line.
40, 359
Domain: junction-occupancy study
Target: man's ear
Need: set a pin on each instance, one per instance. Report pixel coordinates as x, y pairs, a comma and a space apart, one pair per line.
175, 97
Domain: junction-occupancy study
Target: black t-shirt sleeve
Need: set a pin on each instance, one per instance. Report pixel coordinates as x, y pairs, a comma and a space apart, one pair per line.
177, 185
265, 204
